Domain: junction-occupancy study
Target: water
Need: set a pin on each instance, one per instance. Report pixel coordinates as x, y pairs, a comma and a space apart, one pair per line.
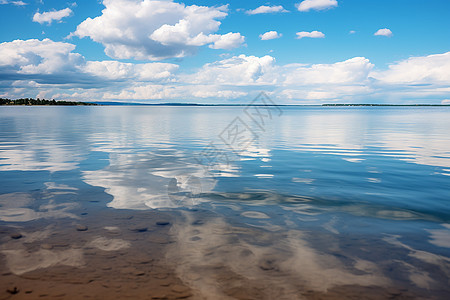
304, 202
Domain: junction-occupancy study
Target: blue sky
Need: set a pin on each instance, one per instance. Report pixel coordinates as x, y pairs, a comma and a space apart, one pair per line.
212, 52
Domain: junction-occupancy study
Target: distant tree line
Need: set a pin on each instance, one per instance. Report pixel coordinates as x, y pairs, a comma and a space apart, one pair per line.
363, 104
30, 101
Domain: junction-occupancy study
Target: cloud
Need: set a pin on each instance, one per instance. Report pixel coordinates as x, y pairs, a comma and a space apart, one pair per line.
50, 16
445, 102
422, 70
341, 80
227, 41
263, 9
154, 30
17, 3
181, 93
313, 34
213, 92
351, 71
234, 77
383, 32
49, 62
239, 70
308, 5
115, 70
352, 32
225, 79
53, 70
270, 35
35, 57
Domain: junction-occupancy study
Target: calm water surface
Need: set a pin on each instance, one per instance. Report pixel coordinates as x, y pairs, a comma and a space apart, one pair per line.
313, 198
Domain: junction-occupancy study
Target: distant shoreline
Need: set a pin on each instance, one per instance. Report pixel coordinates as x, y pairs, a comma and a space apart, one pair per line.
349, 104
41, 102
44, 102
239, 104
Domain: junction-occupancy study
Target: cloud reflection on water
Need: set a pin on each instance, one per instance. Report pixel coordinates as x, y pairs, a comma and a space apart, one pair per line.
216, 256
141, 180
22, 207
333, 172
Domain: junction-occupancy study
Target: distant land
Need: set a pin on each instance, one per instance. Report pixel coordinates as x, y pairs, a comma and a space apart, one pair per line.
31, 102
241, 104
362, 104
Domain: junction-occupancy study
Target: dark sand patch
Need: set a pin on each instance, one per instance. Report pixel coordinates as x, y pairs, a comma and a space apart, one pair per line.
55, 260
197, 255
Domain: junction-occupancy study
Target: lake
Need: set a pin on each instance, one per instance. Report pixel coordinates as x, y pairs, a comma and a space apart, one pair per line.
225, 202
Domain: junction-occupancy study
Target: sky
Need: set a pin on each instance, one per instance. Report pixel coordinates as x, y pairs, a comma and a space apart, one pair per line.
298, 52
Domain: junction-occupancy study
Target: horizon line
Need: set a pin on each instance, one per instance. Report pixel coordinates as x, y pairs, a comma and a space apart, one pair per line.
112, 103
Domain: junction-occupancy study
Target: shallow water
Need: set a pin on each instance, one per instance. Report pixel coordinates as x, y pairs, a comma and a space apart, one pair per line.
280, 203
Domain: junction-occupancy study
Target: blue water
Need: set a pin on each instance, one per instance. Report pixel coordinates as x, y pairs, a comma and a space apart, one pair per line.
360, 194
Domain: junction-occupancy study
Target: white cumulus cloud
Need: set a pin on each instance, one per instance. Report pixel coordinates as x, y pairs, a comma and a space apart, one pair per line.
238, 70
17, 3
351, 71
125, 71
270, 35
384, 32
143, 91
313, 34
50, 16
38, 57
263, 9
227, 41
308, 5
431, 69
49, 62
153, 30
29, 68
